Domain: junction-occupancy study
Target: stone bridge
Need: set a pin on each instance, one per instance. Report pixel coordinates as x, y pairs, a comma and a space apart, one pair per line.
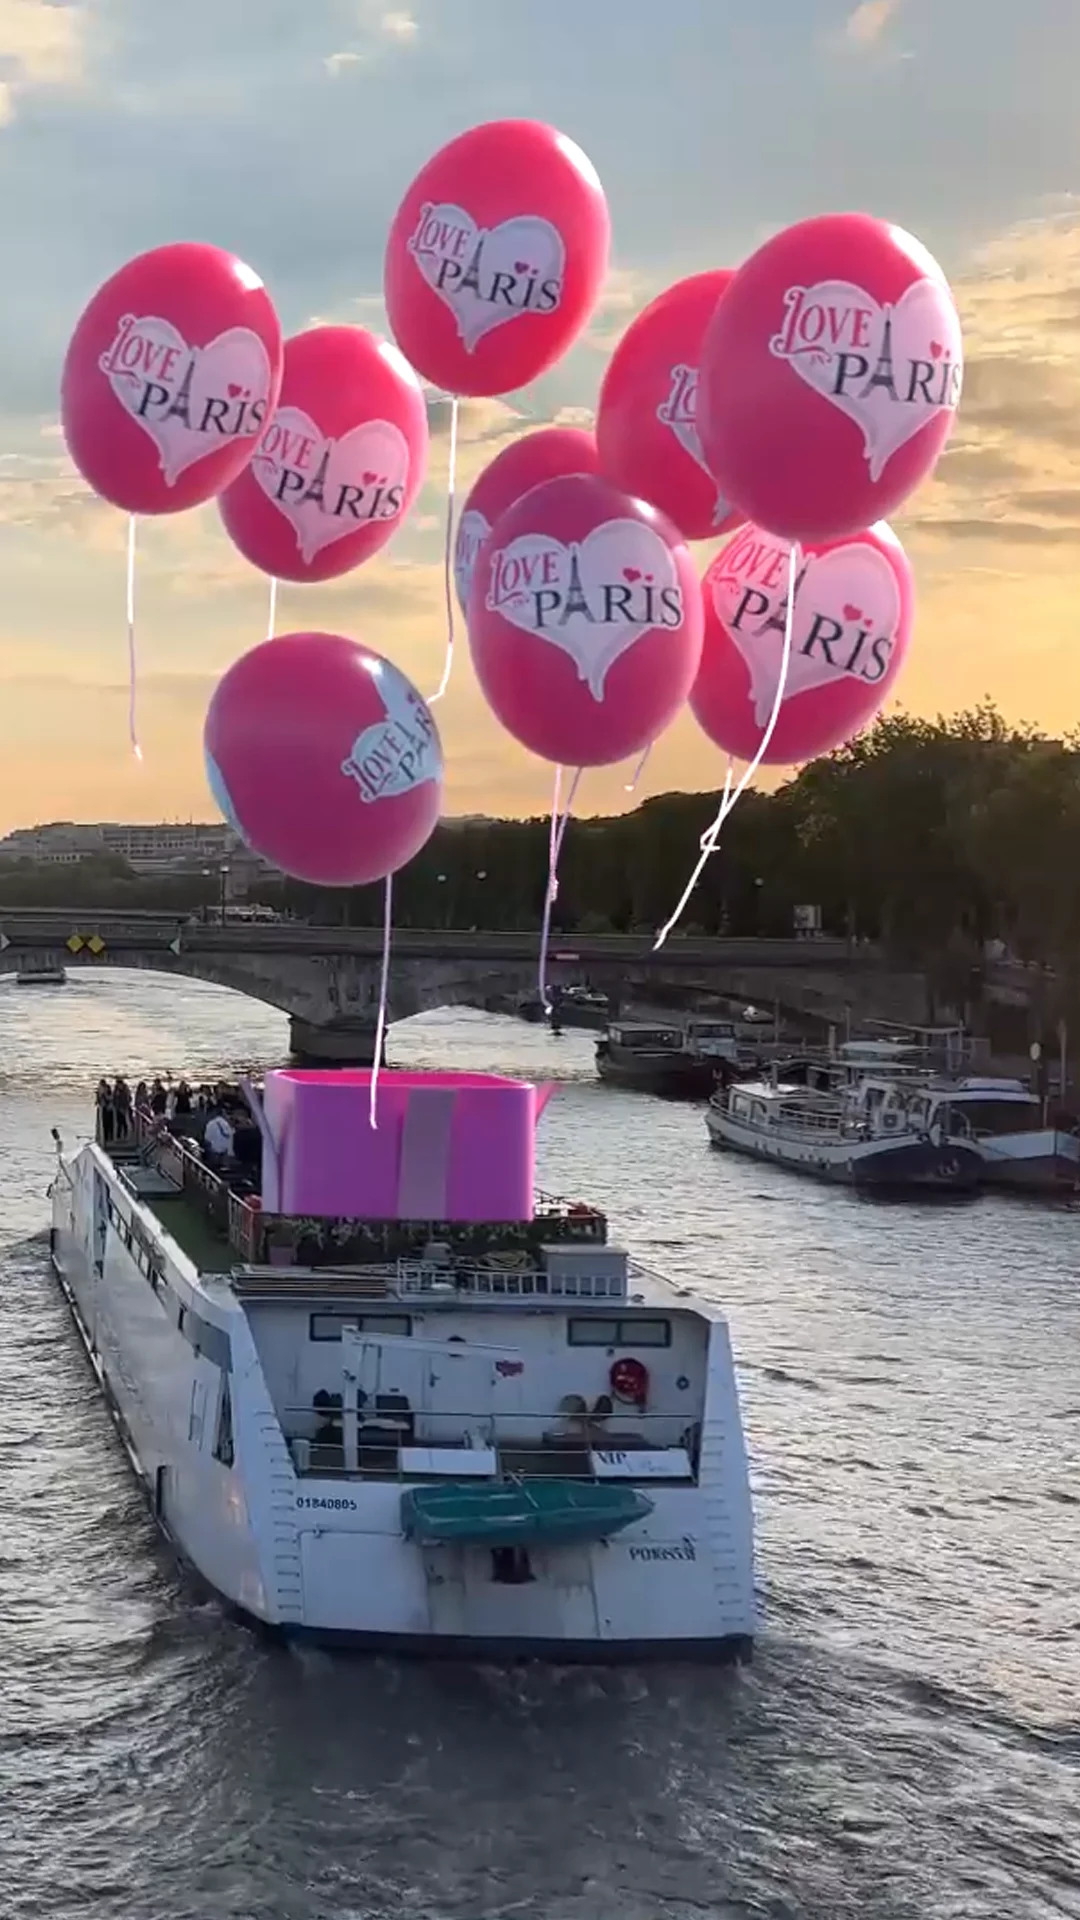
327, 978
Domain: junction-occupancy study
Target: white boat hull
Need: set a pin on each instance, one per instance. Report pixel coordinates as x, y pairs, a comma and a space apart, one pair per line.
1045, 1161
326, 1558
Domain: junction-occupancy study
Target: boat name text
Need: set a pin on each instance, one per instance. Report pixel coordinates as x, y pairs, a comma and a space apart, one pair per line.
682, 1550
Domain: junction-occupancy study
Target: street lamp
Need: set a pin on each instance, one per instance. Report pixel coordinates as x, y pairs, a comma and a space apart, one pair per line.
223, 876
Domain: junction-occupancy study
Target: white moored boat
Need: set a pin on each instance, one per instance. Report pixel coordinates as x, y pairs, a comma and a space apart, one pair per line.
467, 1439
1005, 1123
842, 1137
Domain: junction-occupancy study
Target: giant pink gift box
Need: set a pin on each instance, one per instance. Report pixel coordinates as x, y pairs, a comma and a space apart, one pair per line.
447, 1146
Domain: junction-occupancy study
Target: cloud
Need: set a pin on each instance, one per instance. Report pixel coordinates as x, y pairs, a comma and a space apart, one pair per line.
477, 419
399, 26
41, 42
381, 28
1009, 474
41, 45
865, 27
626, 290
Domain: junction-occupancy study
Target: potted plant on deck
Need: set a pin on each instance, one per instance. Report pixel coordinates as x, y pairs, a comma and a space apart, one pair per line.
279, 1241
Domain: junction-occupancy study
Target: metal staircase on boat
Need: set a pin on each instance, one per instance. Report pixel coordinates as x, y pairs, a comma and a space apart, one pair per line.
727, 1554
287, 1565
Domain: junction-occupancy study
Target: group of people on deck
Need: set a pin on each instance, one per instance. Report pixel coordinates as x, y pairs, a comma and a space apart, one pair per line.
215, 1119
115, 1110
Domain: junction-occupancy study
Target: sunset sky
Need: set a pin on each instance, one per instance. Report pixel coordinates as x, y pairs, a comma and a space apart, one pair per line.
288, 130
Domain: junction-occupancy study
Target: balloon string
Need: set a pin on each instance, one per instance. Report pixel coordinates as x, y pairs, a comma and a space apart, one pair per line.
710, 838
449, 590
133, 664
271, 623
631, 785
384, 995
560, 820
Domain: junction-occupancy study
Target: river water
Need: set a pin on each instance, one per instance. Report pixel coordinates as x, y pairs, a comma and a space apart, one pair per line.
907, 1742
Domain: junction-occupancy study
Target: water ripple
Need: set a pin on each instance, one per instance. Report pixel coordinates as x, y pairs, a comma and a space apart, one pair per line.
907, 1743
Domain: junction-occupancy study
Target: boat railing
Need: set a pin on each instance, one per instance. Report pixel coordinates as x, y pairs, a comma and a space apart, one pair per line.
418, 1279
373, 1438
791, 1116
281, 1239
236, 1217
497, 1282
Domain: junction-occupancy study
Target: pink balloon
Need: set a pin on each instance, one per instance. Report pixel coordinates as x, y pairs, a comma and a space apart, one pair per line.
324, 759
171, 375
830, 377
585, 622
513, 472
340, 463
854, 609
496, 257
646, 423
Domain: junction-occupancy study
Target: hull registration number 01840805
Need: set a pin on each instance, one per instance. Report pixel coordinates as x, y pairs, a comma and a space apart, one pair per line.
317, 1500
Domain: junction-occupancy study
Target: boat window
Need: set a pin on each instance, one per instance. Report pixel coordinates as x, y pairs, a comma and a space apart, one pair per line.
223, 1441
327, 1326
618, 1333
997, 1116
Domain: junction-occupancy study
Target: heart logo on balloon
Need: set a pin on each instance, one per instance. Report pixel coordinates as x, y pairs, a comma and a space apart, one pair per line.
400, 752
489, 276
191, 401
594, 599
472, 531
679, 413
890, 369
328, 488
846, 618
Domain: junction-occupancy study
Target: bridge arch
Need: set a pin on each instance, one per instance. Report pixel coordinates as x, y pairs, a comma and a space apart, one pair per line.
332, 1008
197, 967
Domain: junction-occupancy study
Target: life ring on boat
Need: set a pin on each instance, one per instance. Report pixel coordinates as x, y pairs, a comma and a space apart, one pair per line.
629, 1381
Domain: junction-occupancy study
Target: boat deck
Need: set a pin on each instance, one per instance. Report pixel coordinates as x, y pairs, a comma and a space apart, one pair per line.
206, 1246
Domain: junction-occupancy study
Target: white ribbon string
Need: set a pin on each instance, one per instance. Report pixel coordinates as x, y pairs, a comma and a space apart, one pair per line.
711, 837
384, 995
271, 621
559, 823
133, 664
449, 589
631, 785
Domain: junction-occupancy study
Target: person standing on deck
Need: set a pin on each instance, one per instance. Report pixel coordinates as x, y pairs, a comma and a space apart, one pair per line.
218, 1140
122, 1104
106, 1118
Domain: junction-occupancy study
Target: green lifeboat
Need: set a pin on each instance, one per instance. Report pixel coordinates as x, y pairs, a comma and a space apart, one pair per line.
519, 1513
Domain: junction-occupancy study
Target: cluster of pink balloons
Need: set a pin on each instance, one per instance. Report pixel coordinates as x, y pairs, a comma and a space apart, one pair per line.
795, 402
790, 405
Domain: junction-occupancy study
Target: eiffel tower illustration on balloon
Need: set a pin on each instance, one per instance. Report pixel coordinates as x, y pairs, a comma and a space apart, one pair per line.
882, 375
575, 592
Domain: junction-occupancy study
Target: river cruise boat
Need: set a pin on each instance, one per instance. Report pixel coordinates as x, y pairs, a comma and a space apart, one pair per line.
846, 1137
460, 1436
